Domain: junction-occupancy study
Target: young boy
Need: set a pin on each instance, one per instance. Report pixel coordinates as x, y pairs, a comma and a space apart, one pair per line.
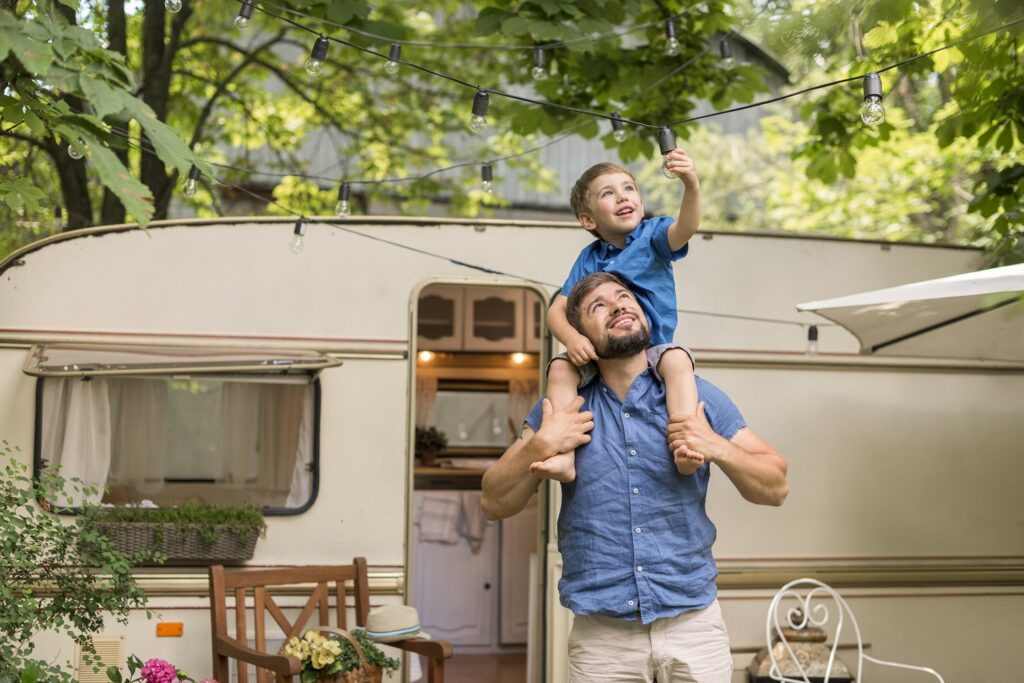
607, 203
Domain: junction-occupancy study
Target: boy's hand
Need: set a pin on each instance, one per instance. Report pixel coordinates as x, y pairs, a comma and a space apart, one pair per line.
680, 164
580, 350
563, 430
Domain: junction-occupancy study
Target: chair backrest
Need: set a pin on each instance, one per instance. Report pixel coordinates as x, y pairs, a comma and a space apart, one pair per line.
806, 604
253, 591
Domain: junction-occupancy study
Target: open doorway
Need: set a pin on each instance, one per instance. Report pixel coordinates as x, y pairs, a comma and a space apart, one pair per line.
478, 371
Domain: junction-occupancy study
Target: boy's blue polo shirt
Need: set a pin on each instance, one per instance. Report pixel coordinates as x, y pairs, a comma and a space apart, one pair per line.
633, 532
645, 263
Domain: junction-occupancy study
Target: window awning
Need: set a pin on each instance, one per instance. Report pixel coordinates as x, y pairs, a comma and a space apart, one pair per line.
82, 360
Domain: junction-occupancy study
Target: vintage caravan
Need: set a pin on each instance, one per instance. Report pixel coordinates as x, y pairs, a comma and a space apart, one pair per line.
219, 365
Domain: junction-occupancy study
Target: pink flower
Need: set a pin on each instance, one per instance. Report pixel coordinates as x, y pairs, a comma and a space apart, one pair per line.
159, 671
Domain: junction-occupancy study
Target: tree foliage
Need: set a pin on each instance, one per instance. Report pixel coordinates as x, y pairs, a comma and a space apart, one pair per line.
92, 76
963, 107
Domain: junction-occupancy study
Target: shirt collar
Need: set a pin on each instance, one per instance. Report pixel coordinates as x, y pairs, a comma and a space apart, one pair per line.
606, 249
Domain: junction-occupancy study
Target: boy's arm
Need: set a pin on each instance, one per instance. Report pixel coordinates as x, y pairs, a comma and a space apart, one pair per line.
579, 348
688, 220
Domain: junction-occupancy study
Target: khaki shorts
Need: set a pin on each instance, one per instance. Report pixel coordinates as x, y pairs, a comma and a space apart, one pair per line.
690, 648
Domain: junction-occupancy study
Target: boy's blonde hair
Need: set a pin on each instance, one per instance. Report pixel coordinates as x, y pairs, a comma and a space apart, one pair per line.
579, 198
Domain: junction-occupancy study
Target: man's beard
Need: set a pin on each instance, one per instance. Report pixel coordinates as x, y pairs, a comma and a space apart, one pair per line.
624, 346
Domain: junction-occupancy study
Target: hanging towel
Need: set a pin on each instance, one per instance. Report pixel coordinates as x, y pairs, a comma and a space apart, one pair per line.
439, 519
472, 522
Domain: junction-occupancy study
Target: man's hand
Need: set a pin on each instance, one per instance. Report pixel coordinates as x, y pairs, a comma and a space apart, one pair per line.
681, 165
580, 350
561, 430
692, 440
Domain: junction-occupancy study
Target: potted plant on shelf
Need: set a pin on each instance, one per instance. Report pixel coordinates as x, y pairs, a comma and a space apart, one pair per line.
187, 534
430, 442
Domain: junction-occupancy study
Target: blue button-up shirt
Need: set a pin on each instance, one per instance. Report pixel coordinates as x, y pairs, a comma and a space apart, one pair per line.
633, 532
645, 263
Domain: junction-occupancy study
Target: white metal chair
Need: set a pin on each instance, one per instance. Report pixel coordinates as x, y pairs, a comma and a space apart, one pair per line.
804, 604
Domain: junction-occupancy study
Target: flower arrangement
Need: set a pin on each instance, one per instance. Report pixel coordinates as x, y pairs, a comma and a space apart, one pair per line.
151, 671
332, 656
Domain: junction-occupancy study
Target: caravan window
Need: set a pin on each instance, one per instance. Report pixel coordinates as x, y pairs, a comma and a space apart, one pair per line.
165, 440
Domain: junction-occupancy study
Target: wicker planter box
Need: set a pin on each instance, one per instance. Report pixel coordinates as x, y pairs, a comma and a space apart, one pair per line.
182, 544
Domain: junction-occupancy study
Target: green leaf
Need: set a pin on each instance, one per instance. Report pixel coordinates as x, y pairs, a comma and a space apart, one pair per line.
489, 20
880, 36
167, 144
135, 196
514, 27
103, 98
35, 55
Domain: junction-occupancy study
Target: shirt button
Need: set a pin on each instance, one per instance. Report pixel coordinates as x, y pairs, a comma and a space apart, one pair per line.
625, 415
637, 530
633, 452
640, 569
630, 603
636, 490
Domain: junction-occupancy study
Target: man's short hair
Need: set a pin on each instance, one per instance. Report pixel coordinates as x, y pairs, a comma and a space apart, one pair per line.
574, 305
579, 198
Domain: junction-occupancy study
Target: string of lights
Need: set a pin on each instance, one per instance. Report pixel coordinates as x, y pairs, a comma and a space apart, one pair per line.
554, 45
299, 231
872, 111
297, 243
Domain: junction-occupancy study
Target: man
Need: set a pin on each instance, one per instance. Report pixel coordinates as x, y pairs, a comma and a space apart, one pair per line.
633, 533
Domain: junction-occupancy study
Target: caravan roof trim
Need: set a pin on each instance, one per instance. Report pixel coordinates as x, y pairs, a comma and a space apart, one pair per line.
402, 221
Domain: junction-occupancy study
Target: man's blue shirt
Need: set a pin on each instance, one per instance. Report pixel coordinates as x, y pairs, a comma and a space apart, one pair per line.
645, 263
633, 533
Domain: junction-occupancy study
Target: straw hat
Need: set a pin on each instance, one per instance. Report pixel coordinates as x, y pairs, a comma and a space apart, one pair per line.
394, 622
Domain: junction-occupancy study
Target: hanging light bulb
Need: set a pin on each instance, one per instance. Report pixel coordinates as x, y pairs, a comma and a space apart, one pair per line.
244, 15
812, 340
191, 185
76, 153
618, 127
343, 209
725, 49
173, 6
478, 121
667, 143
487, 178
394, 54
316, 57
872, 112
671, 44
538, 72
299, 232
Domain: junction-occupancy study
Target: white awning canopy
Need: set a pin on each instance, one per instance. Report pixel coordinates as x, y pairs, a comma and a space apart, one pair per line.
972, 316
83, 360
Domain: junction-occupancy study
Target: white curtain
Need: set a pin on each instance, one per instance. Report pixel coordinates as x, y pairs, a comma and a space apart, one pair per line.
302, 474
76, 436
426, 398
239, 433
138, 463
522, 394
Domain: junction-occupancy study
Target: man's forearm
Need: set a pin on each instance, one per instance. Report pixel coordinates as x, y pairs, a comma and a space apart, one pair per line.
756, 469
509, 483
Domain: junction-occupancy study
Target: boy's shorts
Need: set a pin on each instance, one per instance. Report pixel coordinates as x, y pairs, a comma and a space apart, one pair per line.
589, 371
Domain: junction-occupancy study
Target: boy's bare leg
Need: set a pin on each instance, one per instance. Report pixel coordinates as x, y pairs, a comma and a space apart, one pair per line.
676, 369
563, 378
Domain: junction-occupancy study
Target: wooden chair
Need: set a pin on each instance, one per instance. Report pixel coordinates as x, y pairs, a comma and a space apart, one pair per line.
806, 604
253, 587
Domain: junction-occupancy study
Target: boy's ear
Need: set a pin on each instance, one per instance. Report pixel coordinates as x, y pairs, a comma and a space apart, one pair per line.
588, 223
